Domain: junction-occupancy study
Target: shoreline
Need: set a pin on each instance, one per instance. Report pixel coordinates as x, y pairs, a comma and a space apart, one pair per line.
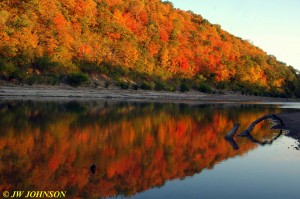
291, 123
39, 92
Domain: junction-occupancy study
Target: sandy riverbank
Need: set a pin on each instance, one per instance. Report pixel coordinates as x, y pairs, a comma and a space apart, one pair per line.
64, 92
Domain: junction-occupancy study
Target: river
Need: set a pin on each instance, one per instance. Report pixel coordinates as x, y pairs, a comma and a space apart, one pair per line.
100, 149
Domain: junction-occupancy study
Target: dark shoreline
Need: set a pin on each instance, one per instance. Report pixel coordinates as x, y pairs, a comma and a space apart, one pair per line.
291, 123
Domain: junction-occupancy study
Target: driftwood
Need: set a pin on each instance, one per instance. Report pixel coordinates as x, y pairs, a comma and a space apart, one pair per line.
233, 131
252, 139
247, 132
235, 146
253, 124
232, 142
229, 136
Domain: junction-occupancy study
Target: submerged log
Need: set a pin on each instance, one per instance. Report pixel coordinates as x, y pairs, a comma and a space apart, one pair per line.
253, 124
262, 143
229, 136
232, 142
247, 132
233, 131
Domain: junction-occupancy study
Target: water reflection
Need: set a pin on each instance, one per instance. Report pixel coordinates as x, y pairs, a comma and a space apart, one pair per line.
102, 149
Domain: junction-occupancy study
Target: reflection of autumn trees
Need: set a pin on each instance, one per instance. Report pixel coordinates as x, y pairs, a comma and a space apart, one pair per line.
50, 146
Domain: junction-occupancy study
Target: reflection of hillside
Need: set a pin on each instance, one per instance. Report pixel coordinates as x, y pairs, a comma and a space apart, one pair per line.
50, 146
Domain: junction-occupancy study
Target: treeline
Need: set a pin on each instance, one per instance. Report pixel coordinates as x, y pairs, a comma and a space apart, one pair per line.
133, 44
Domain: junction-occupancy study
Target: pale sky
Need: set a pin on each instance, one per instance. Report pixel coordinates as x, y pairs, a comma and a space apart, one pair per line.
272, 25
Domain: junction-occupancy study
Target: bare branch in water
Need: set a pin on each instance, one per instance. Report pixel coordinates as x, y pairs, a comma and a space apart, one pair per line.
233, 131
253, 124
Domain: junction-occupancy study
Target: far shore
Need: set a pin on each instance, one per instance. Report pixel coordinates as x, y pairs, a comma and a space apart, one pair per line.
39, 92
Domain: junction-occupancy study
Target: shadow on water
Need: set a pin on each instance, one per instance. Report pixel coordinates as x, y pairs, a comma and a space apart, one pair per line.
102, 149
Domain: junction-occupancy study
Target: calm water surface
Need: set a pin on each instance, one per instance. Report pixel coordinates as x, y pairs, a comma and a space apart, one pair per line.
145, 150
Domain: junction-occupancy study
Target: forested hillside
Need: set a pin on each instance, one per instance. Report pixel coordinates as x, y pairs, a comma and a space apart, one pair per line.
132, 43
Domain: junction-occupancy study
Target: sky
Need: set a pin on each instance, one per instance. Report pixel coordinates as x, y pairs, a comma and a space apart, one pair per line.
272, 25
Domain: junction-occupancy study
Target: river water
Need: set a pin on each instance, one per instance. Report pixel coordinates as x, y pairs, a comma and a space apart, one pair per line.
100, 149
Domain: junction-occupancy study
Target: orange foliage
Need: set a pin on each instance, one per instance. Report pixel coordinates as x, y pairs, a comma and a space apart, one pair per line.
157, 35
